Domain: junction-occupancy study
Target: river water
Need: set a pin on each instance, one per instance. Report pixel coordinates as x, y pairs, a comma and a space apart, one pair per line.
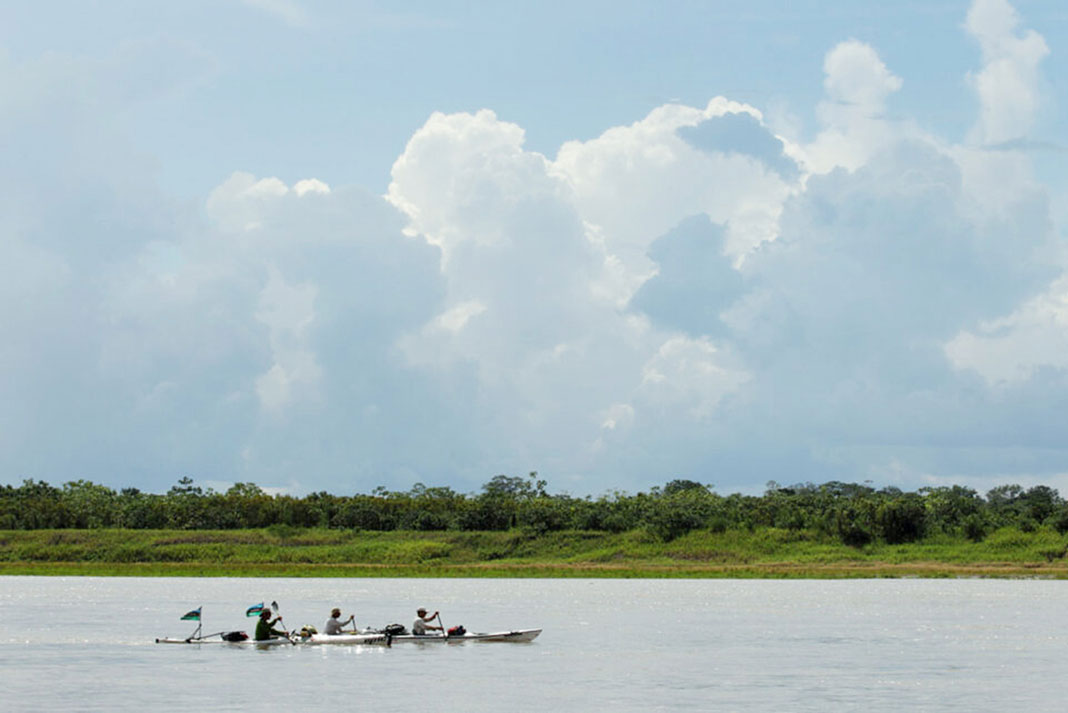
87, 644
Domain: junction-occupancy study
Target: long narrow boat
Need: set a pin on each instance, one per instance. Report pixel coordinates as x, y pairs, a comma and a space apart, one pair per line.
367, 638
517, 635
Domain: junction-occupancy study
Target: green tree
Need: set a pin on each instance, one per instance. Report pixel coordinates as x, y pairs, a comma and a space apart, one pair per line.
90, 505
680, 485
853, 521
901, 519
949, 507
1039, 502
514, 488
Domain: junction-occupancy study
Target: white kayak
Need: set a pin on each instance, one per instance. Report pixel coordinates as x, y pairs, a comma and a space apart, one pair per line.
368, 638
518, 635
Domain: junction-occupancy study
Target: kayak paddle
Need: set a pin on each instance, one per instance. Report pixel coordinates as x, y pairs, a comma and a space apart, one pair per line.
274, 604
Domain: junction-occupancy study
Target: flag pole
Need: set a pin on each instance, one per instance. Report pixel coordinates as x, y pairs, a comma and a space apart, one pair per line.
195, 614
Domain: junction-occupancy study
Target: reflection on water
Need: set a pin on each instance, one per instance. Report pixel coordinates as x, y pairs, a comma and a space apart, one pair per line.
86, 644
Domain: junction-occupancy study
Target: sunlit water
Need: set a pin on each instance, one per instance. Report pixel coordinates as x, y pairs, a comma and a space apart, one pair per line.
86, 644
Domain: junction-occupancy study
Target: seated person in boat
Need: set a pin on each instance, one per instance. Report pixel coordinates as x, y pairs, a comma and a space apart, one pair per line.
333, 626
420, 626
264, 630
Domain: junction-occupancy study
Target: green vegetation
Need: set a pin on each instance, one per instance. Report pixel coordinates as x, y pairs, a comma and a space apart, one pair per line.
852, 514
514, 527
765, 552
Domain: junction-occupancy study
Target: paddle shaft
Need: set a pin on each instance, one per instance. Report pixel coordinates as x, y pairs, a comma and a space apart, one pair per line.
278, 610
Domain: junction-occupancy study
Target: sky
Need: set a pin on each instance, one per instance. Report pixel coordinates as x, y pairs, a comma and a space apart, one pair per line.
337, 245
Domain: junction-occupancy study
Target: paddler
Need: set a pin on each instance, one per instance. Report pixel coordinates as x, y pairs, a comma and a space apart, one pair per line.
420, 626
264, 630
333, 626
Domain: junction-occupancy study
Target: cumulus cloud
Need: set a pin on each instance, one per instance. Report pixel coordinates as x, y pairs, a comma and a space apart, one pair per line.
1008, 84
520, 315
857, 82
857, 85
635, 183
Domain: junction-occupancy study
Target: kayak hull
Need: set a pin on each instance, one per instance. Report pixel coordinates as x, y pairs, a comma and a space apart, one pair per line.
246, 642
343, 640
516, 636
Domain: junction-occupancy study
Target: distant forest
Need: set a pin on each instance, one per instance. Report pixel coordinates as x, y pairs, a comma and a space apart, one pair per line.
848, 512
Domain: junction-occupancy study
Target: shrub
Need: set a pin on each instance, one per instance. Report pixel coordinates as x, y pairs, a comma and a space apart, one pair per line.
673, 518
901, 520
975, 527
1059, 519
425, 521
545, 515
852, 523
718, 524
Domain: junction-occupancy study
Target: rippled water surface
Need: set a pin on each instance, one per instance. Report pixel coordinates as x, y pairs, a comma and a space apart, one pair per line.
87, 644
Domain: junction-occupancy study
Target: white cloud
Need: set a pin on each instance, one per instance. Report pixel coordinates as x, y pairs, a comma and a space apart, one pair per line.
454, 319
239, 202
856, 81
288, 312
1024, 342
1010, 350
518, 267
689, 376
1008, 83
855, 127
456, 167
310, 185
634, 183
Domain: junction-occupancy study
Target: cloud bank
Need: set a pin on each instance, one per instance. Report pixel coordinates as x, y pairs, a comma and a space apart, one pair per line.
691, 295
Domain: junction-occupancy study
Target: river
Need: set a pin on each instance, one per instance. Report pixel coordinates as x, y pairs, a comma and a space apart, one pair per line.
87, 644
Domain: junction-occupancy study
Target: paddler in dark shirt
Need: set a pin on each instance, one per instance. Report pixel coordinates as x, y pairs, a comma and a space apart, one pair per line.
263, 627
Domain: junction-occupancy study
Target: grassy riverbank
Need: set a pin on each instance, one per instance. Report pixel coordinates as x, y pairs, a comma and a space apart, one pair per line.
291, 552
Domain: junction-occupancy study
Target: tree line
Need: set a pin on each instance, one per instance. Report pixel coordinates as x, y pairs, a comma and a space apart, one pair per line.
855, 514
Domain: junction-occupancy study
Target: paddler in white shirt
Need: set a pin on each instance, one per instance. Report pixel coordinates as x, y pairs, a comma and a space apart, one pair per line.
333, 626
420, 626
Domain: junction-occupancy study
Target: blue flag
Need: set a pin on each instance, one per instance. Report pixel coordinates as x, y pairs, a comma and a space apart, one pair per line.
193, 615
254, 610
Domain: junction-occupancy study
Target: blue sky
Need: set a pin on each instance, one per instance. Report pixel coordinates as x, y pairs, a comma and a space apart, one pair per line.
341, 245
336, 89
